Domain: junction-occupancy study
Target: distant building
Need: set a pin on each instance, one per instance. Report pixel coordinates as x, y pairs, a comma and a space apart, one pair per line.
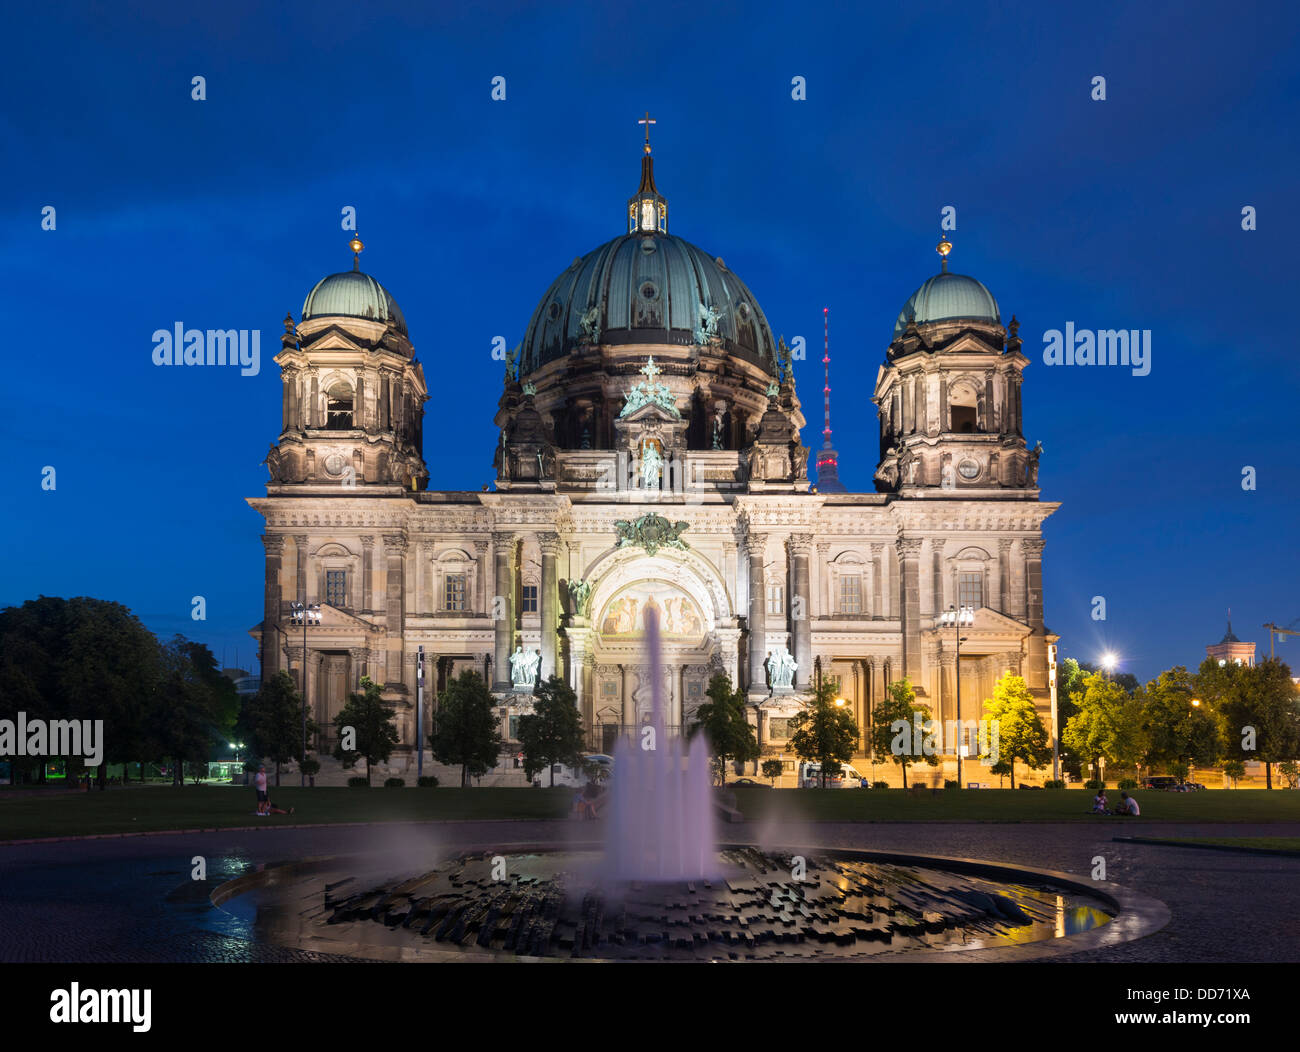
1231, 649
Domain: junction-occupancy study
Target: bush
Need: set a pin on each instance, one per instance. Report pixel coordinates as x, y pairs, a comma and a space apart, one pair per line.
951, 783
879, 785
358, 783
428, 781
1128, 784
1054, 783
394, 783
1094, 783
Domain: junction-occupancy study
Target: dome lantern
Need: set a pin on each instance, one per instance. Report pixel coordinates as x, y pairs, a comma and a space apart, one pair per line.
647, 209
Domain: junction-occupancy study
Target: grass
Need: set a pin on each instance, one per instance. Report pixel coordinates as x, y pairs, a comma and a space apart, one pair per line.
151, 808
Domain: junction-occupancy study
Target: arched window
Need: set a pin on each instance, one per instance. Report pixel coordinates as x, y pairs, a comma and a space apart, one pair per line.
964, 405
338, 408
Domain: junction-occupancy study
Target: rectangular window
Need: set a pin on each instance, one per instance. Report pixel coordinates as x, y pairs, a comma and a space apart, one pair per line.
970, 590
514, 729
454, 592
775, 599
778, 728
336, 587
851, 594
530, 599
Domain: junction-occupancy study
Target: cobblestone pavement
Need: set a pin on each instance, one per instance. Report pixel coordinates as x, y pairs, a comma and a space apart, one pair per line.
133, 899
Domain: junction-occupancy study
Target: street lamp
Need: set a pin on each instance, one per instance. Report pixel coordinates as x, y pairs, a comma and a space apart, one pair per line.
1108, 662
959, 619
306, 614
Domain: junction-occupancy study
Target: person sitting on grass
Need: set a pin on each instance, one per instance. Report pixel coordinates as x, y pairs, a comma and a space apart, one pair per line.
272, 809
1127, 806
1099, 803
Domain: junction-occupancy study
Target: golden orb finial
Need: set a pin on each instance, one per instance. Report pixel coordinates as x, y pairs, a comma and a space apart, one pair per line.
357, 246
943, 248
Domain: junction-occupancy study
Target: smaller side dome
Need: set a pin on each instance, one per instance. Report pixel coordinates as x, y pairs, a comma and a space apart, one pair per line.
949, 297
352, 294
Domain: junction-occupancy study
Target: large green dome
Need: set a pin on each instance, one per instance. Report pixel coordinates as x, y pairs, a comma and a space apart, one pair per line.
646, 288
949, 297
353, 294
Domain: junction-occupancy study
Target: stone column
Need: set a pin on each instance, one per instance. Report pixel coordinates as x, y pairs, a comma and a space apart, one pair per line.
677, 715
269, 655
301, 591
877, 584
628, 703
801, 626
823, 604
909, 551
395, 545
548, 596
480, 577
313, 399
502, 609
943, 403
367, 598
1004, 575
423, 604
1037, 671
936, 575
895, 607
756, 544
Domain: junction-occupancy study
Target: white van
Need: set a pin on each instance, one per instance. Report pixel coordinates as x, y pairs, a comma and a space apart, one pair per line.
576, 779
810, 777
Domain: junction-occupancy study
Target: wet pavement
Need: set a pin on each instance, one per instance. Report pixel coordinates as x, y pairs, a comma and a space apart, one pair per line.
134, 899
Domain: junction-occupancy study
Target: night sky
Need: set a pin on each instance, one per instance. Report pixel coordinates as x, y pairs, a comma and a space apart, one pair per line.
223, 213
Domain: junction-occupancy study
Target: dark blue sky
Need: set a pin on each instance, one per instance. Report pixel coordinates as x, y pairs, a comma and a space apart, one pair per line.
223, 214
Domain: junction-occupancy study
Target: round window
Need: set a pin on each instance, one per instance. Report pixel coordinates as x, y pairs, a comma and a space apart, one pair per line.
649, 290
968, 468
648, 245
553, 311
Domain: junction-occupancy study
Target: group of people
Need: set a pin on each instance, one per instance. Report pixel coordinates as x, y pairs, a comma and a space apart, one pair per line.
1127, 805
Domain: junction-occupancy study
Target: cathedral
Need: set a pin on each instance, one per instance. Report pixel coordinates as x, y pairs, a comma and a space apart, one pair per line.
649, 458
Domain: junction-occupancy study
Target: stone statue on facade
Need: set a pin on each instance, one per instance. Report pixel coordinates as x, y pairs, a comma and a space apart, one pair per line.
651, 466
523, 668
781, 667
580, 593
590, 325
1031, 466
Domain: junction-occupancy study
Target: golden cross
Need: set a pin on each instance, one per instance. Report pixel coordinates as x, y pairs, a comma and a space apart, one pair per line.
647, 122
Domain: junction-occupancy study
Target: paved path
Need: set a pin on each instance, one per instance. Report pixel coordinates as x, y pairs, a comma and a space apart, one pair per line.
132, 899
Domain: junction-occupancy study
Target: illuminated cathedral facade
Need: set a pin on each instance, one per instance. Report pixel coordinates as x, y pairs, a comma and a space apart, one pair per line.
649, 458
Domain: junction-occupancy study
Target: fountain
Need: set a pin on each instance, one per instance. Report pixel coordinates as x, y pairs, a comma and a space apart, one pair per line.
665, 889
661, 823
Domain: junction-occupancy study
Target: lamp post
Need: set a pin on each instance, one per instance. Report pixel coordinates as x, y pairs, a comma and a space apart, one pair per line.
959, 619
1108, 663
1056, 736
307, 613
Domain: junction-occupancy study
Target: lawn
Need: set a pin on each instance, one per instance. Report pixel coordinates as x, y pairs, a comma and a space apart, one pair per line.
147, 808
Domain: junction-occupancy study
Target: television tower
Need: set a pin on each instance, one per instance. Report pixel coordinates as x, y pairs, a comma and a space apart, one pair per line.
828, 461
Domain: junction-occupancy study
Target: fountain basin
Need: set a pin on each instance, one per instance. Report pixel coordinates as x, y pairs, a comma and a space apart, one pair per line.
562, 905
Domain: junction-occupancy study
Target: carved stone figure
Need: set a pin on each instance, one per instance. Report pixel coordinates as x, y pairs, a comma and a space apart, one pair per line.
274, 464
523, 668
781, 667
651, 465
512, 364
755, 464
580, 594
651, 532
590, 325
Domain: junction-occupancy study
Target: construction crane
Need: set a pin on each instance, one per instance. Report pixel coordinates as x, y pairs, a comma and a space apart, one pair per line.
1274, 630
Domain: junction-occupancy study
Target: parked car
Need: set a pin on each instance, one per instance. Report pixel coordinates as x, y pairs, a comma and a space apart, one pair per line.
810, 777
747, 783
1160, 782
1195, 787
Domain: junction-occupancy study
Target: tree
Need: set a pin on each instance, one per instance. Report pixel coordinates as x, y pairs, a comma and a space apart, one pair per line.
552, 733
772, 770
893, 728
465, 727
722, 721
1257, 710
824, 733
371, 719
271, 722
189, 711
1021, 732
1108, 723
1179, 733
1234, 769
